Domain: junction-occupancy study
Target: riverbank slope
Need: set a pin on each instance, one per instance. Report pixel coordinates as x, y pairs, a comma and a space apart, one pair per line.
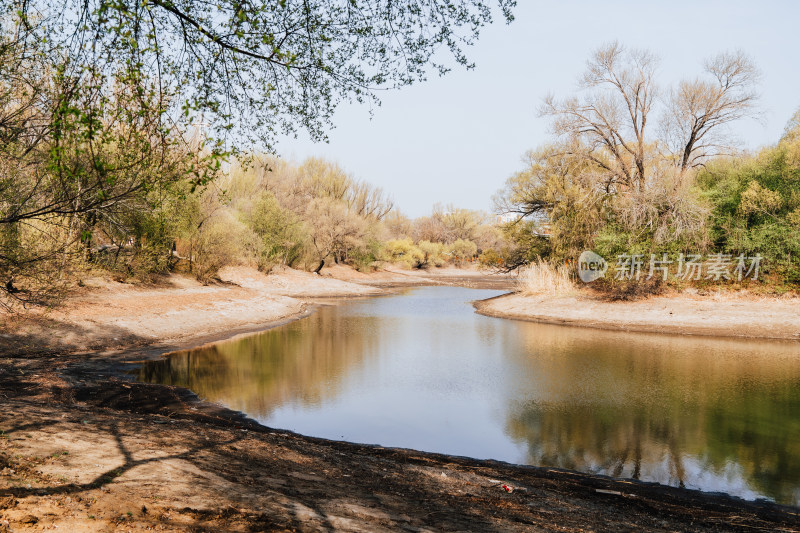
720, 314
178, 310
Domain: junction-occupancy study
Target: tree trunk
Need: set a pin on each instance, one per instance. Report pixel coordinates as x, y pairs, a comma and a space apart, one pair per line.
321, 264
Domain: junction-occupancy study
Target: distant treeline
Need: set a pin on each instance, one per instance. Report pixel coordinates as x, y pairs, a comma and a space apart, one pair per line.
269, 212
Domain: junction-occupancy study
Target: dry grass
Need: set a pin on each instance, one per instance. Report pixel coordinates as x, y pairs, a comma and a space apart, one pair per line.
541, 278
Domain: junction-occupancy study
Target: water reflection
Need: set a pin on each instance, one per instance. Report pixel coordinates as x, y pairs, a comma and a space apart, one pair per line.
421, 370
704, 413
254, 374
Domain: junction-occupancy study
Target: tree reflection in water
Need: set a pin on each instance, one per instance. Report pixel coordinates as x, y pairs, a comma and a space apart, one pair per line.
301, 362
421, 370
687, 411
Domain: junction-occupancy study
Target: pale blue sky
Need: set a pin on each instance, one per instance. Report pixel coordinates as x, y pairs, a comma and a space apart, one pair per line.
456, 139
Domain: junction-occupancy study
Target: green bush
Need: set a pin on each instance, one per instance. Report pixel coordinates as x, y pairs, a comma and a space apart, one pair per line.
402, 251
282, 234
363, 258
755, 208
461, 251
223, 240
432, 254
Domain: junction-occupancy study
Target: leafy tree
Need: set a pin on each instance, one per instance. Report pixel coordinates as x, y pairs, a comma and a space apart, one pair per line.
264, 66
80, 159
223, 240
282, 233
756, 201
333, 229
432, 254
557, 186
523, 245
98, 101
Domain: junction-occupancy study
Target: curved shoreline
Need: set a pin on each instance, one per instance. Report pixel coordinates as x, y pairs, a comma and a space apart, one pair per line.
227, 472
727, 316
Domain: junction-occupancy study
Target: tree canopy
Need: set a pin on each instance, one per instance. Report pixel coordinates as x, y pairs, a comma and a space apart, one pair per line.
258, 67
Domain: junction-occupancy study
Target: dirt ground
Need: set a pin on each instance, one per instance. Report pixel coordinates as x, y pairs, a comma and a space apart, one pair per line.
722, 314
108, 314
83, 448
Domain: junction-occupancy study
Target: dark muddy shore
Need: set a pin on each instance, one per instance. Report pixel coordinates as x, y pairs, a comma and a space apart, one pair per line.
277, 480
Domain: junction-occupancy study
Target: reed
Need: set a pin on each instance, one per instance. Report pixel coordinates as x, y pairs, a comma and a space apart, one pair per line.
542, 278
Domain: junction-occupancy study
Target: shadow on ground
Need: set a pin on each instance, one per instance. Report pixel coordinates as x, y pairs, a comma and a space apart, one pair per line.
80, 441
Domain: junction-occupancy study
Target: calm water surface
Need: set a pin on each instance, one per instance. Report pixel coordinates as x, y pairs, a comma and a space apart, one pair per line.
421, 370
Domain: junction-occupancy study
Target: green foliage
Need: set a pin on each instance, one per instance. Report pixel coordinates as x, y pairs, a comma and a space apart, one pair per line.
749, 205
432, 254
363, 258
283, 235
245, 66
88, 162
523, 244
491, 259
34, 270
461, 251
556, 187
756, 207
759, 201
402, 251
102, 146
223, 240
301, 216
606, 182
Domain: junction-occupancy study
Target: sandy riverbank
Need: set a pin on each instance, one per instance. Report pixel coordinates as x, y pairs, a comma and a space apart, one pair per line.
107, 314
724, 314
83, 450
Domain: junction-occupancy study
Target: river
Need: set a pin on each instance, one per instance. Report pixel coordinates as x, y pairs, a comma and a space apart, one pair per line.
419, 369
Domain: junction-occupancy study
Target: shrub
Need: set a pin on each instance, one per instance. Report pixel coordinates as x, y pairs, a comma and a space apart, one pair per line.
363, 258
627, 290
223, 240
490, 259
756, 202
432, 254
34, 266
282, 234
461, 251
402, 251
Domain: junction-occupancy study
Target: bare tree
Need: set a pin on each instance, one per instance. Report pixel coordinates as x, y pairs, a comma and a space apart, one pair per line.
333, 228
398, 225
611, 118
698, 110
613, 157
368, 201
